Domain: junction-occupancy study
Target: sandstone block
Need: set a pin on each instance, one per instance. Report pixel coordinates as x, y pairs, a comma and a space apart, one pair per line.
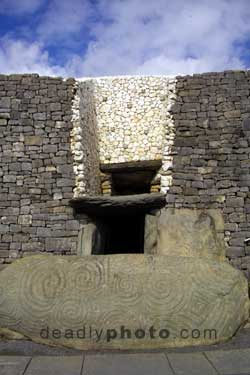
3, 122
190, 232
25, 219
33, 140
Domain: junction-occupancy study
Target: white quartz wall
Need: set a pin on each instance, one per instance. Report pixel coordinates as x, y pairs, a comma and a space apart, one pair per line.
121, 119
84, 142
131, 117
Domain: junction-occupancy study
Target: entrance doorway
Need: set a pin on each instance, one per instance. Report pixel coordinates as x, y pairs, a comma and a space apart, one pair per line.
117, 220
123, 234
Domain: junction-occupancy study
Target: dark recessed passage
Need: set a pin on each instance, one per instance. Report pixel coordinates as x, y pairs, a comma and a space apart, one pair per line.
118, 221
132, 177
124, 235
132, 182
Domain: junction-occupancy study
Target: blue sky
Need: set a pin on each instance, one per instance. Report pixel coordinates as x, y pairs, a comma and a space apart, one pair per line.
114, 37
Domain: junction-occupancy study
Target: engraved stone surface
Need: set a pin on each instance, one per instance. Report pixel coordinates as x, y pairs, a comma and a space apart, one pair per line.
191, 232
61, 300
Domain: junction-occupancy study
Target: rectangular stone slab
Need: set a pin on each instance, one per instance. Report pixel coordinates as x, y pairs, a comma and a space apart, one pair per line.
129, 364
112, 205
231, 361
13, 365
191, 364
98, 302
66, 365
191, 232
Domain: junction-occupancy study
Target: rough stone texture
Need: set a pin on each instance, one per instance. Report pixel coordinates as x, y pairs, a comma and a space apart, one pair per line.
84, 141
86, 239
185, 232
14, 365
134, 291
210, 153
131, 116
201, 124
150, 234
105, 205
198, 126
36, 166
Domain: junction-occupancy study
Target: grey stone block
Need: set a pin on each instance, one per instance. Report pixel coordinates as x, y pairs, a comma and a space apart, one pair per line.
235, 201
231, 361
26, 166
66, 365
33, 246
246, 124
4, 228
13, 365
50, 148
54, 107
4, 103
190, 363
59, 244
129, 364
43, 232
72, 225
39, 116
235, 251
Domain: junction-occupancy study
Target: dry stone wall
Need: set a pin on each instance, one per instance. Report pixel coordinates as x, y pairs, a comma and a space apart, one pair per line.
211, 153
36, 167
54, 133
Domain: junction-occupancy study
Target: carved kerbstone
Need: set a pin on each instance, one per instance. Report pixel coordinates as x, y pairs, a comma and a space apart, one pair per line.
56, 300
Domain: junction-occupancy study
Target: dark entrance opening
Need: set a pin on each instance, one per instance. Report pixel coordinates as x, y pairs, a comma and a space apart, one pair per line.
131, 182
118, 220
124, 234
132, 177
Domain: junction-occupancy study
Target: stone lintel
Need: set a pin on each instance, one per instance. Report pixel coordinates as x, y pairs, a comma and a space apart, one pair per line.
123, 204
131, 166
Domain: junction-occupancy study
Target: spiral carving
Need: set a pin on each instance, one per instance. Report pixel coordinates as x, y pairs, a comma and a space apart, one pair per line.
127, 289
135, 292
71, 313
86, 276
167, 293
2, 295
40, 288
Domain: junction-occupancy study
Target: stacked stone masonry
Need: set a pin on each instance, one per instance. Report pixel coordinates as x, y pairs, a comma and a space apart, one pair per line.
84, 141
54, 133
36, 167
211, 153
